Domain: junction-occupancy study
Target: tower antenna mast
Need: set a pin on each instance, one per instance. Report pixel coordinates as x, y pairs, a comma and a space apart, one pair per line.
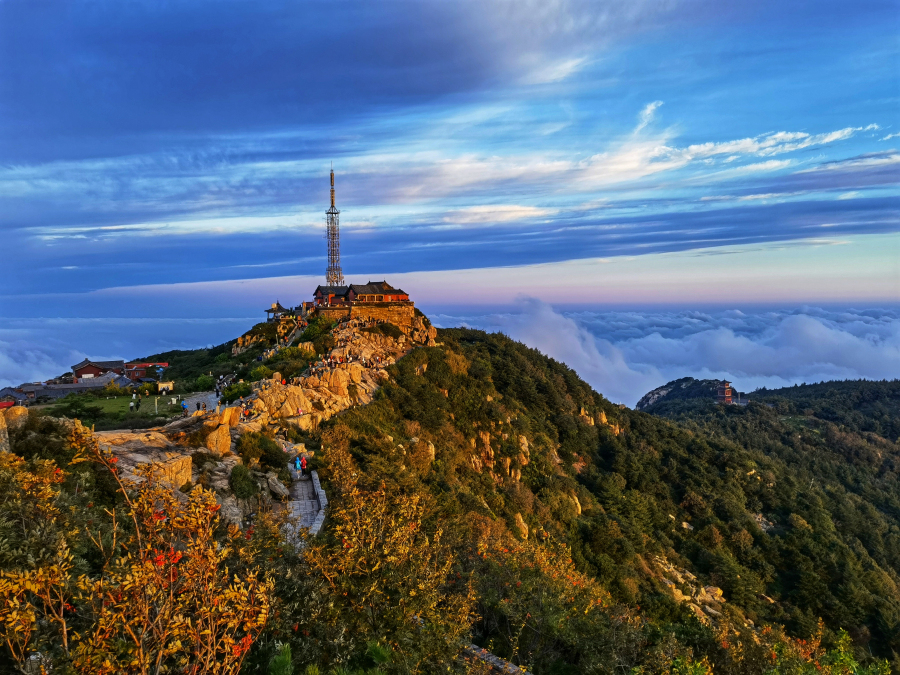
333, 275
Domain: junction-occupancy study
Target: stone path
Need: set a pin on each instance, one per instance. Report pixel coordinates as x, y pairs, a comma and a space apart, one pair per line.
304, 505
307, 504
208, 397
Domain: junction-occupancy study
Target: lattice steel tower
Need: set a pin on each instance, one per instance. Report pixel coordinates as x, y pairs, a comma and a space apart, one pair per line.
333, 275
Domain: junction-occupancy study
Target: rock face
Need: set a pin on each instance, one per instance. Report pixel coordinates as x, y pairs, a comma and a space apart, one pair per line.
349, 374
219, 441
521, 526
148, 451
4, 435
230, 416
277, 487
705, 601
15, 417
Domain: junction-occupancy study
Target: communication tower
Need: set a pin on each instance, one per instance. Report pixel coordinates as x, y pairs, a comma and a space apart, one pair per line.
333, 275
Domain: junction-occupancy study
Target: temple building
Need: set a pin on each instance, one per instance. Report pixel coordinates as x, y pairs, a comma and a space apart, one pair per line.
374, 291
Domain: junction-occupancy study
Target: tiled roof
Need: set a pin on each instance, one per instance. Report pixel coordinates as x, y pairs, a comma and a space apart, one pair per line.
376, 287
99, 364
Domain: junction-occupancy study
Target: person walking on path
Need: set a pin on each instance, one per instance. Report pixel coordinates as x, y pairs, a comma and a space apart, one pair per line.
303, 466
198, 406
137, 405
297, 463
184, 408
130, 406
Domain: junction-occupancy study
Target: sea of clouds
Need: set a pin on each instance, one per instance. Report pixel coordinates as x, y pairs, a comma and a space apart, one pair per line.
622, 354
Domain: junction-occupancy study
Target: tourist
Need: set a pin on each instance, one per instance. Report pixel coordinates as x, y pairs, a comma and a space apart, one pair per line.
130, 406
198, 406
303, 466
184, 408
137, 405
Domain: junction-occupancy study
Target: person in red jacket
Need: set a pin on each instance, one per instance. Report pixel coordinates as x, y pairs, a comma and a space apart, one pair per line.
303, 466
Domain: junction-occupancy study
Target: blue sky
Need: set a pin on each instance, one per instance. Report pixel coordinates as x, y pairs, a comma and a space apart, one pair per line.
577, 152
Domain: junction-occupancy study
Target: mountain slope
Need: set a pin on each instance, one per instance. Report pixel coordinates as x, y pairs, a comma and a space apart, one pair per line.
779, 520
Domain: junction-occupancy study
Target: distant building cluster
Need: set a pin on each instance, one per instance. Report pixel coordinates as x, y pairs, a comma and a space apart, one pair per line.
86, 376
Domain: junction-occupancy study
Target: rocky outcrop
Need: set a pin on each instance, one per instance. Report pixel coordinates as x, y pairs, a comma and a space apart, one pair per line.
142, 453
521, 527
15, 417
348, 375
705, 601
4, 434
219, 440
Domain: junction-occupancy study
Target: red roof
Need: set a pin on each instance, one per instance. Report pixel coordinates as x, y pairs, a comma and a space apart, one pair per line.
7, 404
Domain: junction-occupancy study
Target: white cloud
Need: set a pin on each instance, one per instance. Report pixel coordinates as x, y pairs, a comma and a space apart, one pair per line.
646, 115
856, 163
890, 136
555, 72
500, 213
625, 354
775, 143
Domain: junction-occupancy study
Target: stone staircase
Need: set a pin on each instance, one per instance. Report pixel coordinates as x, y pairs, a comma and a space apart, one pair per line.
307, 505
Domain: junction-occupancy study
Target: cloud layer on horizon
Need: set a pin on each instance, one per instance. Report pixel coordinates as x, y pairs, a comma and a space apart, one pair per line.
623, 355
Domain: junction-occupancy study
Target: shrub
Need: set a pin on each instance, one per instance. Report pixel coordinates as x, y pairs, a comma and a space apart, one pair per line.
260, 373
388, 329
205, 383
254, 446
234, 391
324, 344
222, 358
295, 353
316, 328
242, 484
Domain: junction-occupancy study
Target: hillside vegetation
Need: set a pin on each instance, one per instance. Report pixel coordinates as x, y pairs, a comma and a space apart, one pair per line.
488, 494
795, 523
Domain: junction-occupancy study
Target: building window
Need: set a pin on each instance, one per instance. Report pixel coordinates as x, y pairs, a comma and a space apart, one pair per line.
379, 298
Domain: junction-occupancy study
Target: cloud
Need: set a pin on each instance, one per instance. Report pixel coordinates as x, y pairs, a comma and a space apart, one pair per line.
646, 115
598, 362
625, 354
500, 213
890, 136
858, 163
555, 72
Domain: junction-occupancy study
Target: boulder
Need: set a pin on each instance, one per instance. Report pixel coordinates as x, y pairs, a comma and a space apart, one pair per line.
231, 416
521, 526
219, 441
336, 381
230, 510
4, 435
276, 487
15, 417
138, 452
356, 373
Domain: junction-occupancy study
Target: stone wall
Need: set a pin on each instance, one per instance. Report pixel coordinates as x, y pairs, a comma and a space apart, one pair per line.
397, 313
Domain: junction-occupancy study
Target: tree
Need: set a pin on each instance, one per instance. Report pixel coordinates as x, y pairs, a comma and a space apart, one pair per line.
163, 598
388, 579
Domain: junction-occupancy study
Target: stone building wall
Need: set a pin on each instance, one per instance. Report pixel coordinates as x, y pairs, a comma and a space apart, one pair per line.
397, 313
